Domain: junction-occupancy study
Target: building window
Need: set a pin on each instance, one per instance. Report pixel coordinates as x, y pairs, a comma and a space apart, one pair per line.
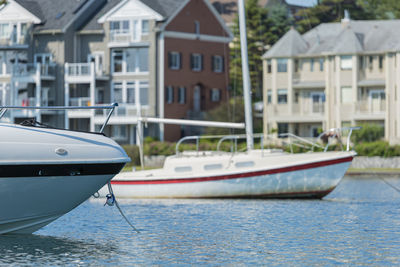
311, 64
196, 62
130, 93
117, 58
346, 62
361, 62
174, 60
131, 60
380, 62
282, 96
117, 92
282, 64
119, 132
321, 64
269, 66
269, 96
144, 93
283, 128
296, 65
145, 27
169, 94
215, 95
347, 95
5, 31
218, 64
197, 27
181, 95
371, 63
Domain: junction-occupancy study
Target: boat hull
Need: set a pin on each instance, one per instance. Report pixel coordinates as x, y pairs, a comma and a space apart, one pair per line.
30, 203
307, 180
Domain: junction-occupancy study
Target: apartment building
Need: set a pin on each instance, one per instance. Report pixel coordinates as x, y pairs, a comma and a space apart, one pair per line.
159, 58
337, 74
33, 46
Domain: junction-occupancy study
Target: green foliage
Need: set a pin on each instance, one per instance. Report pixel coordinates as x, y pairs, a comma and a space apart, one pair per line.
368, 133
377, 148
133, 152
262, 29
332, 11
381, 9
232, 111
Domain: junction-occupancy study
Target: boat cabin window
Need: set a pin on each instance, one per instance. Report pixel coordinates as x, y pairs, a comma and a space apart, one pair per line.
211, 167
183, 169
243, 164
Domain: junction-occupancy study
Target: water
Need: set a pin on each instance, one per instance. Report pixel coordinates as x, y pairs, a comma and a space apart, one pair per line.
357, 224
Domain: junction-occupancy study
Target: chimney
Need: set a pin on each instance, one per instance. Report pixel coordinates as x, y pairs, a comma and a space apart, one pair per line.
346, 19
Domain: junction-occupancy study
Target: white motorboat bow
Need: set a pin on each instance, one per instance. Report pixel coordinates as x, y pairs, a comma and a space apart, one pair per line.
45, 172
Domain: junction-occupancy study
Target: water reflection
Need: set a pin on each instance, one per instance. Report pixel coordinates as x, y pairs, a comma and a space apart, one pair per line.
42, 250
357, 224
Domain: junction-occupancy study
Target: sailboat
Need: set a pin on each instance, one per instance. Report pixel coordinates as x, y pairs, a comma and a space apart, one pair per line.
46, 172
255, 173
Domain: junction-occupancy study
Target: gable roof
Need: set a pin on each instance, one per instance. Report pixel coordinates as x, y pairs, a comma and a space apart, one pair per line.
350, 37
33, 8
291, 44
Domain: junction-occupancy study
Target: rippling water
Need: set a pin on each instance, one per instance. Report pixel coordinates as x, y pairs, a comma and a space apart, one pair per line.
357, 224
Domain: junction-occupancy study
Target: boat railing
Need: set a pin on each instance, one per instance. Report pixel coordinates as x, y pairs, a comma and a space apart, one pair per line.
293, 140
111, 107
221, 138
326, 137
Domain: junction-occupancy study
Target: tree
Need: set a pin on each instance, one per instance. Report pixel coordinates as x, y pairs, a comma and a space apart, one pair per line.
258, 35
381, 9
232, 111
332, 11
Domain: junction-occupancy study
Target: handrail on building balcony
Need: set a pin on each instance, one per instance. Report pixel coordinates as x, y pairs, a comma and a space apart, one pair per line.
78, 69
111, 107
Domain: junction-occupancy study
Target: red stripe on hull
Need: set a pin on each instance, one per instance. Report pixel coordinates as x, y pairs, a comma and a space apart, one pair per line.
234, 176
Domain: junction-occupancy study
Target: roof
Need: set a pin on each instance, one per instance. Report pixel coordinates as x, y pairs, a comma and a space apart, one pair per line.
163, 7
291, 44
33, 7
346, 37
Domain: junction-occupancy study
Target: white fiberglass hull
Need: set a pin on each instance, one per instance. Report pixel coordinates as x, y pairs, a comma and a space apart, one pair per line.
45, 173
33, 202
282, 175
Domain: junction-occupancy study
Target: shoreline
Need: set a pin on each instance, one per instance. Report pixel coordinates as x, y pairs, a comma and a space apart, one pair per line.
373, 171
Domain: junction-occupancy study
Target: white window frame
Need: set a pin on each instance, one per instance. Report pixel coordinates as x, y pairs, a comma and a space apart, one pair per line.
346, 62
138, 88
215, 95
282, 92
344, 92
196, 62
282, 64
97, 56
124, 65
181, 95
218, 63
169, 93
45, 57
119, 132
175, 58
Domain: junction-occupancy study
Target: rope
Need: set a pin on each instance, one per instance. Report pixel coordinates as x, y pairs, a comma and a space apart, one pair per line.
111, 200
389, 184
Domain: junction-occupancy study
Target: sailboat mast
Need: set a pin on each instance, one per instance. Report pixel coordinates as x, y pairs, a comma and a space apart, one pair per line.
246, 76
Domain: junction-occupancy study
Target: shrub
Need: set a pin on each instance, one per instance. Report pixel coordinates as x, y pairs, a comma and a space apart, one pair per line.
133, 153
368, 133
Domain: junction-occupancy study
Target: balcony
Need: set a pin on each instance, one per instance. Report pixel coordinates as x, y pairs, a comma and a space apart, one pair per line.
14, 41
370, 109
301, 112
123, 37
81, 102
82, 72
30, 70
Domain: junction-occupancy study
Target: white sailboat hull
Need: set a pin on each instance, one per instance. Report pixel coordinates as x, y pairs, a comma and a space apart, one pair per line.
311, 175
